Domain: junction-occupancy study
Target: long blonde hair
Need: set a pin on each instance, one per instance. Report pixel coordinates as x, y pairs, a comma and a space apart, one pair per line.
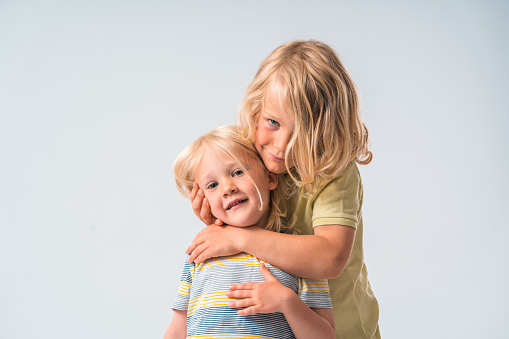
228, 141
315, 87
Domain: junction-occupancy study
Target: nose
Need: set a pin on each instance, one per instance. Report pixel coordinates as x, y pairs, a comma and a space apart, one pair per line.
229, 187
280, 142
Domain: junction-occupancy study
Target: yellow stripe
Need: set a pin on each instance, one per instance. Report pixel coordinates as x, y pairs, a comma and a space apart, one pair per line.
208, 300
184, 288
314, 290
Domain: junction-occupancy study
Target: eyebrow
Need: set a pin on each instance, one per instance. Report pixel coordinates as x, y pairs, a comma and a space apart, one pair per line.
210, 174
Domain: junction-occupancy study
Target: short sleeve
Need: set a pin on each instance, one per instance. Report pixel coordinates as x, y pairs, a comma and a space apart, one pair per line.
339, 201
314, 293
182, 299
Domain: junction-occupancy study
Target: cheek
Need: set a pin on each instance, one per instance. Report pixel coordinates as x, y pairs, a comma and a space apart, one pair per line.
214, 207
260, 137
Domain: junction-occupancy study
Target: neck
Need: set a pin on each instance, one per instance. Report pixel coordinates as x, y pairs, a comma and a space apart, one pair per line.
262, 223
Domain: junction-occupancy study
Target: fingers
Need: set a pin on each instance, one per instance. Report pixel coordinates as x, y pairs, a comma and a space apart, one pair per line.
240, 287
194, 253
206, 254
194, 191
242, 303
200, 254
250, 310
240, 294
243, 292
197, 202
205, 215
249, 297
201, 206
266, 273
218, 222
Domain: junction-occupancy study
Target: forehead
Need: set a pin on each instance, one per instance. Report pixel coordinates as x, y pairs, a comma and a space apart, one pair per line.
216, 161
275, 103
213, 160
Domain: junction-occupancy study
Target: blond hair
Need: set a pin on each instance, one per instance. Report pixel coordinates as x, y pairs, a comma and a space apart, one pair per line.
228, 141
317, 90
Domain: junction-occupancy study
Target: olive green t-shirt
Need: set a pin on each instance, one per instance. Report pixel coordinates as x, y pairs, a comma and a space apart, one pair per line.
339, 202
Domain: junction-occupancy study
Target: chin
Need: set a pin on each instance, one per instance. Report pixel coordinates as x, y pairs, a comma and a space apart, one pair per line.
239, 224
277, 169
244, 222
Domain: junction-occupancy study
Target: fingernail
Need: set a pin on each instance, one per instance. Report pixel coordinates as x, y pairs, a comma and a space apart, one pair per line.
205, 200
227, 293
200, 192
195, 184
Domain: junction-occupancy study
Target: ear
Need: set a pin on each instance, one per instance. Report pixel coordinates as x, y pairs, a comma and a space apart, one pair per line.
273, 180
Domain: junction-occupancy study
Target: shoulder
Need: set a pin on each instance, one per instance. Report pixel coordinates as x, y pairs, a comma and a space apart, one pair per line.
231, 260
347, 180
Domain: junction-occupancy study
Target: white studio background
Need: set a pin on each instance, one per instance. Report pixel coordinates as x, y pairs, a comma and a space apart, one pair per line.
97, 98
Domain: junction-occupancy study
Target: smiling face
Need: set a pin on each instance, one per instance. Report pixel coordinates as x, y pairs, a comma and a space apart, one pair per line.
232, 194
273, 132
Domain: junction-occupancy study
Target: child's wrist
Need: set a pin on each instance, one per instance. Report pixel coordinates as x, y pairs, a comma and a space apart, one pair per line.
289, 300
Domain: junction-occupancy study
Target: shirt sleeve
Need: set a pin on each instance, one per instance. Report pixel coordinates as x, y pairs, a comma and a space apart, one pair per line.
182, 299
339, 202
314, 293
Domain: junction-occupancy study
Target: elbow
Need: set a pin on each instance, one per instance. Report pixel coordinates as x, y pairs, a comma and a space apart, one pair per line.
336, 272
335, 267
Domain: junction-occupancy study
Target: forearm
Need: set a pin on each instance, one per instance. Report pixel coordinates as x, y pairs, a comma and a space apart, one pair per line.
306, 323
177, 328
319, 256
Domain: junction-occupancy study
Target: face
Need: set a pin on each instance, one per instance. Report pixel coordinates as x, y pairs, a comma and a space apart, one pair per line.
273, 132
232, 195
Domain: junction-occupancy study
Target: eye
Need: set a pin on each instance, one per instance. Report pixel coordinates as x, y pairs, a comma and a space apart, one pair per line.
273, 122
212, 185
237, 173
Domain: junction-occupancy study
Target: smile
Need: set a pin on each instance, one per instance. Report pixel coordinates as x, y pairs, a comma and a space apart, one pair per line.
278, 159
235, 203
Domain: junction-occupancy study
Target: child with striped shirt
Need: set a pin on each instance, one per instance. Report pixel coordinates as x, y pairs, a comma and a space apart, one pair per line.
211, 301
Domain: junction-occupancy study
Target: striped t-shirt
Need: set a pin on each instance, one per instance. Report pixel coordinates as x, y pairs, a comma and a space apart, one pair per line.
202, 292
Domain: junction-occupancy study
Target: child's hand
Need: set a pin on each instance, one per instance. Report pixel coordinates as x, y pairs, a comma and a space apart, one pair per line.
266, 297
201, 206
214, 241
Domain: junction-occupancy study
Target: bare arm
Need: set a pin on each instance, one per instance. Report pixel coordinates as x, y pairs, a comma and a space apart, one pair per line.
272, 296
323, 255
178, 327
319, 323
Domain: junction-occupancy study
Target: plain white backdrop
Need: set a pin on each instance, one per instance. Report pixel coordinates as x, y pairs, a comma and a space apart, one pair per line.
97, 98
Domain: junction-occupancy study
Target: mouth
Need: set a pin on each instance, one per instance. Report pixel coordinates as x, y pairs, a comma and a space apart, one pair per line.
235, 203
278, 159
